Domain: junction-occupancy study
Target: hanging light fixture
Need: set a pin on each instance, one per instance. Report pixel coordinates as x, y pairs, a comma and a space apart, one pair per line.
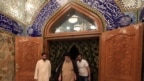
93, 27
73, 19
77, 27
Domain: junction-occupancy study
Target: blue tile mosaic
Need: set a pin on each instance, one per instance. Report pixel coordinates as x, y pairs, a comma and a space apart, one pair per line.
10, 25
45, 13
109, 9
141, 17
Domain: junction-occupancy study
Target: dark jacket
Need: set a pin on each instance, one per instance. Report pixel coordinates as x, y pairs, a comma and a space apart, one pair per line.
59, 70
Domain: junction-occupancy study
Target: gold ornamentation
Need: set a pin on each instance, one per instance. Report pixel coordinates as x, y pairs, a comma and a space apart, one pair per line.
127, 5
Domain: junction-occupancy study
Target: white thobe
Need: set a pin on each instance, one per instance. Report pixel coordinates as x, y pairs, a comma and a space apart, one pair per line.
43, 70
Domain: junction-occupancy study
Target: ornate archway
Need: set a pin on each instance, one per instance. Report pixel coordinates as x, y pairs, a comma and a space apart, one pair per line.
69, 8
51, 37
61, 15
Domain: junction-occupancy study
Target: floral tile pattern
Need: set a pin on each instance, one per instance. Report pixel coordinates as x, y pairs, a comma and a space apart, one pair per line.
114, 17
10, 25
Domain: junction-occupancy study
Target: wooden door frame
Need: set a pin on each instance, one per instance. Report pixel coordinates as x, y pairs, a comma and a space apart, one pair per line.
48, 35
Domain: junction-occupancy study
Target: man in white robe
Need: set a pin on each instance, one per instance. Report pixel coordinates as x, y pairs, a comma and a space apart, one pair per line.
43, 69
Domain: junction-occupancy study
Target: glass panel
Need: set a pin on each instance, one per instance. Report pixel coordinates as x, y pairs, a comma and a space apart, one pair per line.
74, 23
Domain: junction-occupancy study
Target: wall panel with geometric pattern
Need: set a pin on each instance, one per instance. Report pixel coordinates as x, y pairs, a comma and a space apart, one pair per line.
88, 47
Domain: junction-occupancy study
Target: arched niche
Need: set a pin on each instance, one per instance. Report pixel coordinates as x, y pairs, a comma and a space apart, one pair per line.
51, 39
64, 13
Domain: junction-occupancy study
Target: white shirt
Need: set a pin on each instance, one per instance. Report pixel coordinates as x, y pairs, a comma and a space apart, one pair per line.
82, 67
42, 70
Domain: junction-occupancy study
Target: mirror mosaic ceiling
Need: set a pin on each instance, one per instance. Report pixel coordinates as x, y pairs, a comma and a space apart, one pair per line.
25, 11
21, 10
28, 17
